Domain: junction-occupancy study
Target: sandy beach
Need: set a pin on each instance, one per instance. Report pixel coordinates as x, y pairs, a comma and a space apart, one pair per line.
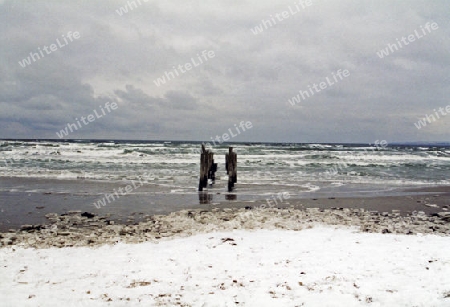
324, 251
29, 200
230, 257
270, 243
321, 266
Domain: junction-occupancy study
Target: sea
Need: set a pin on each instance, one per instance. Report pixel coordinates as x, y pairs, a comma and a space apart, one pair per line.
157, 177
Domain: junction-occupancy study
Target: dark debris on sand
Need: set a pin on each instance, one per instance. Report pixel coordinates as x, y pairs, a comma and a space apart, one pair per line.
76, 228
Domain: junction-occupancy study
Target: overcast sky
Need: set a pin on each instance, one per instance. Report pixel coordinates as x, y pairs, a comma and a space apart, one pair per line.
251, 77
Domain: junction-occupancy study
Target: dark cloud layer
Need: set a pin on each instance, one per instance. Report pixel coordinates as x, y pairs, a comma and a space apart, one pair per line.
119, 55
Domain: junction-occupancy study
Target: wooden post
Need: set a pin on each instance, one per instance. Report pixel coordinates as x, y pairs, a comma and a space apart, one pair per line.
212, 171
231, 166
207, 168
203, 169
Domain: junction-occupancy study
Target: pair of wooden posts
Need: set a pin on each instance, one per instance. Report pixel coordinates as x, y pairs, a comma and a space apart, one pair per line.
208, 168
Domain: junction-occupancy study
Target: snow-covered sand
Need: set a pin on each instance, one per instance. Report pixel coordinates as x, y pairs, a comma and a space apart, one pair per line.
320, 266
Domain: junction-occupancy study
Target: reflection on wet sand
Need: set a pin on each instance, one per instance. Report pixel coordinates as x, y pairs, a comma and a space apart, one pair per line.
205, 198
230, 196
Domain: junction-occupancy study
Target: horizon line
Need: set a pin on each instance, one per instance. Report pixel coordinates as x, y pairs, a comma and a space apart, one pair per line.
224, 143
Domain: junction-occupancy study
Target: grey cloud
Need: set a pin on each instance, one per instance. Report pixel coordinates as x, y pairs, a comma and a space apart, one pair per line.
251, 76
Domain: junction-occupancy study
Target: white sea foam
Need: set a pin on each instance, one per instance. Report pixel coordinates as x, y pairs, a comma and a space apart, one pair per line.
276, 165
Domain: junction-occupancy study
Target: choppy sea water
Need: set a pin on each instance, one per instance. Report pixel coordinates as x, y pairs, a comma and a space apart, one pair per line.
176, 164
78, 173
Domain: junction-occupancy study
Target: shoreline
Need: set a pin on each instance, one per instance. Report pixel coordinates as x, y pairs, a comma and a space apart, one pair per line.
37, 213
84, 229
33, 199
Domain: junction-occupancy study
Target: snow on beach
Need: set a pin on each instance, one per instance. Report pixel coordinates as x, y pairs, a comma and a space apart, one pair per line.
319, 266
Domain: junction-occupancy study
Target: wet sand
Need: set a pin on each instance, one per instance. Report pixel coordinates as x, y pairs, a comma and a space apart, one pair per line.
423, 211
37, 198
429, 200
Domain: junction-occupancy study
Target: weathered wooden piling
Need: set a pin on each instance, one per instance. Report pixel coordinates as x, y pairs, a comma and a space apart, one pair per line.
231, 166
207, 168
